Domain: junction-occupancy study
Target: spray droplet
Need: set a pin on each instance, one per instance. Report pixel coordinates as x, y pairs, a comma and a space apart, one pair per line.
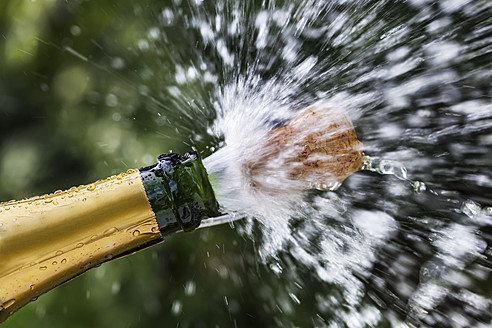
419, 186
176, 307
276, 267
190, 288
294, 298
487, 211
470, 208
385, 167
367, 163
403, 172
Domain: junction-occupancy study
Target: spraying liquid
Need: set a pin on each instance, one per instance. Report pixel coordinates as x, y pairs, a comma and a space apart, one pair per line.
267, 175
404, 241
317, 150
400, 242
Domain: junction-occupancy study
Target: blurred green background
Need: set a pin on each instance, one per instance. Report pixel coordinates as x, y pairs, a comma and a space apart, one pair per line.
76, 105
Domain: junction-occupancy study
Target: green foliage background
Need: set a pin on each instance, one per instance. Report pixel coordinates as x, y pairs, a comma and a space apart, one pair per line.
71, 117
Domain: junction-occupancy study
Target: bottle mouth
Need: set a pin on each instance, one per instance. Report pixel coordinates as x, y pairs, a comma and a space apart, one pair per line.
179, 192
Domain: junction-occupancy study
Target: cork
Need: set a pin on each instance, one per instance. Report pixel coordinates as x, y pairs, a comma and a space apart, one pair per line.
319, 148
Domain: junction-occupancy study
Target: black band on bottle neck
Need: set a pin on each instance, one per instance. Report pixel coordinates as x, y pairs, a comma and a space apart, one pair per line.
179, 192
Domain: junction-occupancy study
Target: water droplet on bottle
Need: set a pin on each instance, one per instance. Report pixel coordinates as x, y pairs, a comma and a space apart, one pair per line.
79, 245
8, 303
85, 265
54, 263
110, 231
136, 233
63, 261
91, 187
58, 253
42, 268
32, 287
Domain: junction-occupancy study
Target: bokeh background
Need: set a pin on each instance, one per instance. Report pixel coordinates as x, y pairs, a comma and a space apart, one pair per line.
71, 117
92, 88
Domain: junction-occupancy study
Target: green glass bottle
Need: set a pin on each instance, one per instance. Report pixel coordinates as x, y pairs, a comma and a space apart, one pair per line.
47, 240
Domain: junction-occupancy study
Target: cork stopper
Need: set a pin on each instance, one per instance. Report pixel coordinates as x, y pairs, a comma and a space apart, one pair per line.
319, 148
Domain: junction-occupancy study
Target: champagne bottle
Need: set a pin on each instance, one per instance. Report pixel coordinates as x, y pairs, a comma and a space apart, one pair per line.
48, 240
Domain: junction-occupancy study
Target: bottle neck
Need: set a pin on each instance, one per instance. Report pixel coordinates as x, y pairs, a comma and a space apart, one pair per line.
179, 192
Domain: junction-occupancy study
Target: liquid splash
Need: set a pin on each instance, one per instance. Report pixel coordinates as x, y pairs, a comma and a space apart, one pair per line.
401, 242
